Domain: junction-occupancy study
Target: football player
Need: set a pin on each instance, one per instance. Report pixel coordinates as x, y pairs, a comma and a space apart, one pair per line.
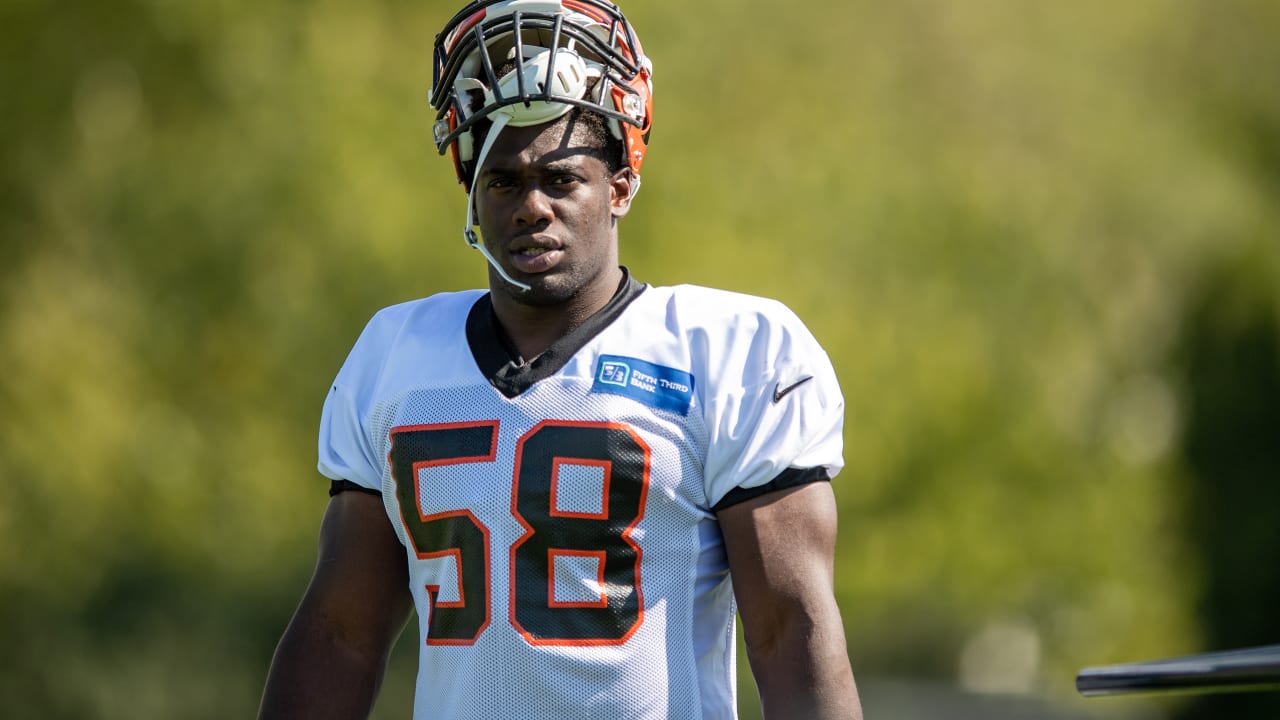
575, 478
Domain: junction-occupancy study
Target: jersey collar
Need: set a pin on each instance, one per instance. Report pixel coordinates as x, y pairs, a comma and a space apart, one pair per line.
506, 371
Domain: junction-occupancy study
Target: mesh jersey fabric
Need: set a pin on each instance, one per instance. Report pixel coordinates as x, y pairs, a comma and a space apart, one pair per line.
564, 558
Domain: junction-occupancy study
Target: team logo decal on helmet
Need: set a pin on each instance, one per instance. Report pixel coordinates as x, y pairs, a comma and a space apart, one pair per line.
556, 55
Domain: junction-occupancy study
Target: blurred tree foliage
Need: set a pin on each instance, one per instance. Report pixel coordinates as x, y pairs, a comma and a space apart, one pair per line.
1230, 356
992, 213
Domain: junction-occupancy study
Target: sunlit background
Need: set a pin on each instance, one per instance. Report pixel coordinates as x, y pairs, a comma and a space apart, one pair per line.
1040, 240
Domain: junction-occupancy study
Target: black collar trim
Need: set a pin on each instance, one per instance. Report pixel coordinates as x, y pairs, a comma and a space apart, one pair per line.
502, 365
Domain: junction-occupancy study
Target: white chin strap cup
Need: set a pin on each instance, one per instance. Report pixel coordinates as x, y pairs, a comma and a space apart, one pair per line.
570, 81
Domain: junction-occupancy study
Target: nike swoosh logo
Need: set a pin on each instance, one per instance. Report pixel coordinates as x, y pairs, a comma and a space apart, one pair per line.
780, 392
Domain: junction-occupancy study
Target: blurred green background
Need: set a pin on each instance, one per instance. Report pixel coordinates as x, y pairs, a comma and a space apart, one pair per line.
1041, 242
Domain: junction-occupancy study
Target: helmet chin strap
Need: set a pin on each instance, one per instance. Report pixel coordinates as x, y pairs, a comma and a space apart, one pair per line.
500, 120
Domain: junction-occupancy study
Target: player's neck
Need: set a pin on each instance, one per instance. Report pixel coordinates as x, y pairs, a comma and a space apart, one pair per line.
534, 328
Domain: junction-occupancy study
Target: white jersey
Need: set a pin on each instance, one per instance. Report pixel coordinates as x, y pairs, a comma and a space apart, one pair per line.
558, 516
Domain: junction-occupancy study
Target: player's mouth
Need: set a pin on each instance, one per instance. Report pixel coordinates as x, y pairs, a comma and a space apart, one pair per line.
536, 258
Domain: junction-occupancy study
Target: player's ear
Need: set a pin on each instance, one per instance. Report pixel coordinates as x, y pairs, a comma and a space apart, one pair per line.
622, 187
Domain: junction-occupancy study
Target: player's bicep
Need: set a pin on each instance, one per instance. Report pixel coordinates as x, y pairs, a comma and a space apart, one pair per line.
780, 548
360, 589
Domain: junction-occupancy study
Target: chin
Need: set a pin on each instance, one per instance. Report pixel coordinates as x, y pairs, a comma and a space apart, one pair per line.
546, 290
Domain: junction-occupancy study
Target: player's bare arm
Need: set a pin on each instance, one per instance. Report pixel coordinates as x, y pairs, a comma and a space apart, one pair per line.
781, 547
331, 659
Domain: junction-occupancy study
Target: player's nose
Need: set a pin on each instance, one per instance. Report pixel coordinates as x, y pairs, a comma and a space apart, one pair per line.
534, 208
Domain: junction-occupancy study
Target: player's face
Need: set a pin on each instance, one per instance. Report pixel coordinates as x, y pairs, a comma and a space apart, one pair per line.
547, 210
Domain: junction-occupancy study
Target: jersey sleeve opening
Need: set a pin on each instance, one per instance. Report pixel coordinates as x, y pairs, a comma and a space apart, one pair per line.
789, 478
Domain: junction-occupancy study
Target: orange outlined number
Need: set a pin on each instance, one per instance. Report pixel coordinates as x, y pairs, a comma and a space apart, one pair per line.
602, 538
599, 538
457, 534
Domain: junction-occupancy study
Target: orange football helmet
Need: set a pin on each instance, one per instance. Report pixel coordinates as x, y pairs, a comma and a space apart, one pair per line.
567, 53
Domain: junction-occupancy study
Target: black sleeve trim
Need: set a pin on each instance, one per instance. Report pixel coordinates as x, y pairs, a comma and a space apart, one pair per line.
338, 486
789, 478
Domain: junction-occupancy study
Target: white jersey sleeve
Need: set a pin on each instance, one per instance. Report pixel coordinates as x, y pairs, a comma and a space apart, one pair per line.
775, 414
345, 449
345, 452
